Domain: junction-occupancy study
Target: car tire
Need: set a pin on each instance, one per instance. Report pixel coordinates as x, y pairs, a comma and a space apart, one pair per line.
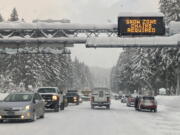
56, 109
108, 107
42, 116
62, 106
1, 121
34, 117
155, 110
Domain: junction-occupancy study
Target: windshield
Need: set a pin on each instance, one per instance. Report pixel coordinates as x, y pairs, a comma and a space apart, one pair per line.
47, 90
18, 98
71, 94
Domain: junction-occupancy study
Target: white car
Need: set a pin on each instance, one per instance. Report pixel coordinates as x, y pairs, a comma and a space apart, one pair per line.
100, 97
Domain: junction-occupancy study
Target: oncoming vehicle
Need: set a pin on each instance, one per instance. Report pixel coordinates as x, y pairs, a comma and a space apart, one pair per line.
53, 97
148, 103
100, 97
73, 97
22, 106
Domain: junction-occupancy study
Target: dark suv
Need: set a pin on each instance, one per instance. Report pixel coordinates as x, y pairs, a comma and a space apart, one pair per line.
73, 97
53, 97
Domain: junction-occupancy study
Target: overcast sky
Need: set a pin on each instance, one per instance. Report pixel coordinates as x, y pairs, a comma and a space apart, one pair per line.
80, 11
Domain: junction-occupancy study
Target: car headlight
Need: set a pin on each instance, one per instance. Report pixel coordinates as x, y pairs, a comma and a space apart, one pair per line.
54, 98
75, 98
27, 108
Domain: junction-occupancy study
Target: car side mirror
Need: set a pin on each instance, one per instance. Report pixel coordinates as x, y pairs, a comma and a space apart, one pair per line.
60, 92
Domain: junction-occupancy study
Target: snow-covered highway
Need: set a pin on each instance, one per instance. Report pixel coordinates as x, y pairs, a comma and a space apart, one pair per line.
119, 120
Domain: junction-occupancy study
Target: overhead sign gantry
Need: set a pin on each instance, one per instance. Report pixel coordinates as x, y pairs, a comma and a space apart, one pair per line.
132, 30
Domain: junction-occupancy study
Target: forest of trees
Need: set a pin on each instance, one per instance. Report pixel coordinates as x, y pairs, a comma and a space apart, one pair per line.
18, 71
143, 69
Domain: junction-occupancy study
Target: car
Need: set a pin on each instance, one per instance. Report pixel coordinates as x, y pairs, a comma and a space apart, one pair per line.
100, 97
53, 97
131, 101
116, 97
124, 99
85, 98
73, 97
22, 106
147, 103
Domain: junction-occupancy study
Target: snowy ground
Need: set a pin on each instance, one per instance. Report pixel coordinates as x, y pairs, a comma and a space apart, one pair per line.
120, 120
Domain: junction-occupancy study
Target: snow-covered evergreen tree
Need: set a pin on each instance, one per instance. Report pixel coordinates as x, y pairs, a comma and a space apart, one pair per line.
1, 18
14, 15
171, 9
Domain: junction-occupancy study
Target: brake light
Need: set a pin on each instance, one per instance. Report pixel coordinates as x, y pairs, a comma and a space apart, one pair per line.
108, 99
142, 102
92, 99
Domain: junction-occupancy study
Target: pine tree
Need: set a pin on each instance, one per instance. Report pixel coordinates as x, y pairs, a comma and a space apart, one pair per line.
171, 9
14, 15
1, 18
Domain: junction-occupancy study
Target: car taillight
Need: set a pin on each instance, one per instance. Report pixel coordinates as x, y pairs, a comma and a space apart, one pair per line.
108, 99
92, 99
142, 102
131, 100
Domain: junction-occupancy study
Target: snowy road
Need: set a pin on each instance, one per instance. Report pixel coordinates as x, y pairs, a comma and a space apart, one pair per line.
81, 120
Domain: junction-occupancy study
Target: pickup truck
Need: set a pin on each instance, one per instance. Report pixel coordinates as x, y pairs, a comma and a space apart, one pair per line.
100, 97
53, 97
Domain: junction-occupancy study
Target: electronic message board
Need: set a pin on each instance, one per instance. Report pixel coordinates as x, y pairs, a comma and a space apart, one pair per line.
147, 26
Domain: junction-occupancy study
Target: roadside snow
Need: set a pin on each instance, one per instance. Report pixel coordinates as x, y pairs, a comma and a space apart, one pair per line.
3, 95
169, 102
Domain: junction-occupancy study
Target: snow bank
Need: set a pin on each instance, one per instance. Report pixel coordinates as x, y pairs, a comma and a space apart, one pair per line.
2, 96
169, 102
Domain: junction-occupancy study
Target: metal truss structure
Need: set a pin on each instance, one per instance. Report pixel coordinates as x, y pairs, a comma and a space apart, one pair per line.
21, 34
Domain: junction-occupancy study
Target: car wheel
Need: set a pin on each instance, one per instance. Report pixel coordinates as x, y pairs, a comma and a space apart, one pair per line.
42, 116
108, 107
62, 106
56, 109
1, 121
34, 117
155, 110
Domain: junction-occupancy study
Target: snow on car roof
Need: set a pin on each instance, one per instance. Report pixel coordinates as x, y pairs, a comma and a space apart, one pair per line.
141, 14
